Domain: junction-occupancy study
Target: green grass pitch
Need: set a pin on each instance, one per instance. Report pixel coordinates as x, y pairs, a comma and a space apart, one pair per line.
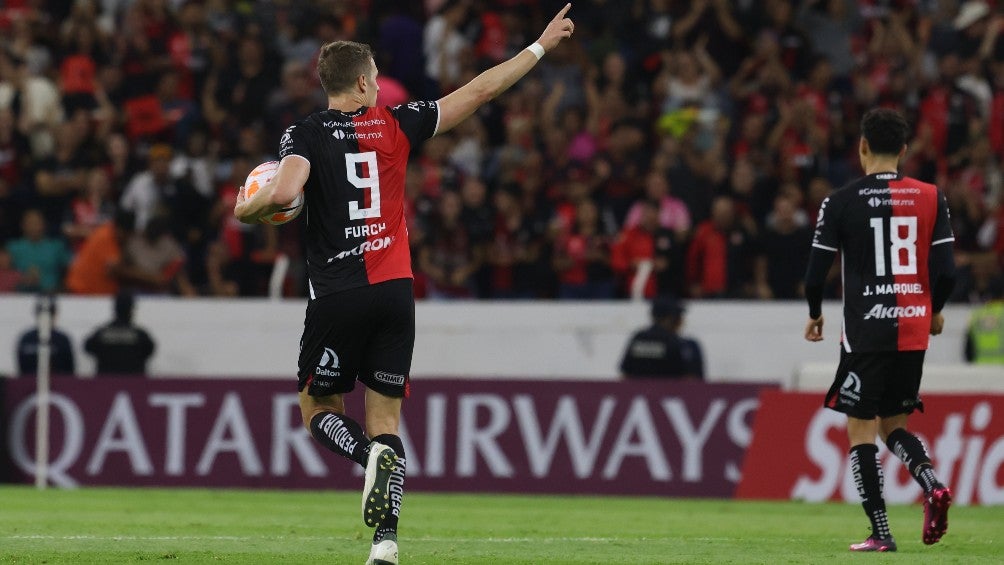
106, 525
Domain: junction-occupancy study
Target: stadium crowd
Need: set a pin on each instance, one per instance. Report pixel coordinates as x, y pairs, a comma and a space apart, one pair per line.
670, 148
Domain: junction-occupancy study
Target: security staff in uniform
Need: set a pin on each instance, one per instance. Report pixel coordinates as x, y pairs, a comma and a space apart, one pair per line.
61, 361
985, 341
121, 348
659, 350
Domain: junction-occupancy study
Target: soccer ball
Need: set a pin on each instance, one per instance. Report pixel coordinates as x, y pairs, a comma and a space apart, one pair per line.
257, 179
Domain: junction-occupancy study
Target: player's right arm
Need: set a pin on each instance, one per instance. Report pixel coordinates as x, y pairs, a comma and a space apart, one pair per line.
461, 103
285, 186
825, 244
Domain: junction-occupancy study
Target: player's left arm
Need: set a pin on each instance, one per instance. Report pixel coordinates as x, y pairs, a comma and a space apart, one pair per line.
941, 264
461, 103
278, 192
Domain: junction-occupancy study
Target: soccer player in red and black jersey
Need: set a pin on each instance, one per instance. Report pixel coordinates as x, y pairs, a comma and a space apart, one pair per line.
350, 161
895, 240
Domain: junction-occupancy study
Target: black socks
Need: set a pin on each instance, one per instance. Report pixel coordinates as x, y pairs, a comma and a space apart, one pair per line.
345, 436
396, 486
868, 478
341, 434
911, 451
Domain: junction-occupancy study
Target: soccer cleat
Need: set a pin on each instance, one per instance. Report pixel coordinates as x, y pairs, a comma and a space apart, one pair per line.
936, 514
384, 552
376, 492
875, 544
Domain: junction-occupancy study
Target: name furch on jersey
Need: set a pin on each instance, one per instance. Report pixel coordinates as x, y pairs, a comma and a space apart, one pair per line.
365, 231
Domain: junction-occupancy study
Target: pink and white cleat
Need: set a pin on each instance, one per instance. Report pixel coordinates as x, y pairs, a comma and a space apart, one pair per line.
936, 514
875, 544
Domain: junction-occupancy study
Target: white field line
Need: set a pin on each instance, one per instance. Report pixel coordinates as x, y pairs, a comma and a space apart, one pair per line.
34, 537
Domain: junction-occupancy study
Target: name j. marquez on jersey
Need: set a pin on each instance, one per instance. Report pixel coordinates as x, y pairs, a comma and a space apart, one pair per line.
893, 288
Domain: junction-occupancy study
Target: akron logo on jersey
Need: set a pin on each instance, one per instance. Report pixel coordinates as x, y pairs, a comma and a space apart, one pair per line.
881, 312
328, 364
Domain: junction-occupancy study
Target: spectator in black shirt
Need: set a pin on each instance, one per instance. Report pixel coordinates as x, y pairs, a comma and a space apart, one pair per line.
784, 249
659, 351
120, 347
60, 355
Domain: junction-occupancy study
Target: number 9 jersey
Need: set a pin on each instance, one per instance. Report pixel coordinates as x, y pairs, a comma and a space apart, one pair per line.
884, 226
356, 232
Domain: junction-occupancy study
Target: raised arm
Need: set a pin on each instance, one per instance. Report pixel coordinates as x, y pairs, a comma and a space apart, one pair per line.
461, 103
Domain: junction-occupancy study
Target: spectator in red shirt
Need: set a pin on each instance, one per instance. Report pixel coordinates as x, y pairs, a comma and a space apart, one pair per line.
719, 258
633, 255
582, 257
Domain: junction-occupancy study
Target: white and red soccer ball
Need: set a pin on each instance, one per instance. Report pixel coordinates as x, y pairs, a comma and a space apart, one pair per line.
257, 179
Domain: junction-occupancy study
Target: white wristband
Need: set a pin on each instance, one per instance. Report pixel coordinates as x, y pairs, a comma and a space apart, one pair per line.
537, 49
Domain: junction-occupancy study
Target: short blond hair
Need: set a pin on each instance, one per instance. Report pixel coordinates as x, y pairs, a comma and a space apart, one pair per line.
340, 64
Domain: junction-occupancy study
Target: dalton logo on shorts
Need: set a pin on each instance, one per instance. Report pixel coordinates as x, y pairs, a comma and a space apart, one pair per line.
327, 364
389, 378
852, 386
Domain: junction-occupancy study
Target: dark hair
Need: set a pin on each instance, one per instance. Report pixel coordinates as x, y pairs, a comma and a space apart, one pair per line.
885, 130
667, 307
124, 302
45, 300
125, 220
340, 64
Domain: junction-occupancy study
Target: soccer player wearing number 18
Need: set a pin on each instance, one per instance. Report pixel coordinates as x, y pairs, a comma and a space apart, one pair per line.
350, 160
895, 240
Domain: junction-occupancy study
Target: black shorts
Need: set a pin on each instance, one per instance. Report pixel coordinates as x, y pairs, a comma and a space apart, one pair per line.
365, 333
877, 383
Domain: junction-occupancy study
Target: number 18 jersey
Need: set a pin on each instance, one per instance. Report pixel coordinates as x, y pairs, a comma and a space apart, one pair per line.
356, 231
884, 226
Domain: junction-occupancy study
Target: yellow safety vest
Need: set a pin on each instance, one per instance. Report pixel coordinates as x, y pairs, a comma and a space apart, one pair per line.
987, 332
